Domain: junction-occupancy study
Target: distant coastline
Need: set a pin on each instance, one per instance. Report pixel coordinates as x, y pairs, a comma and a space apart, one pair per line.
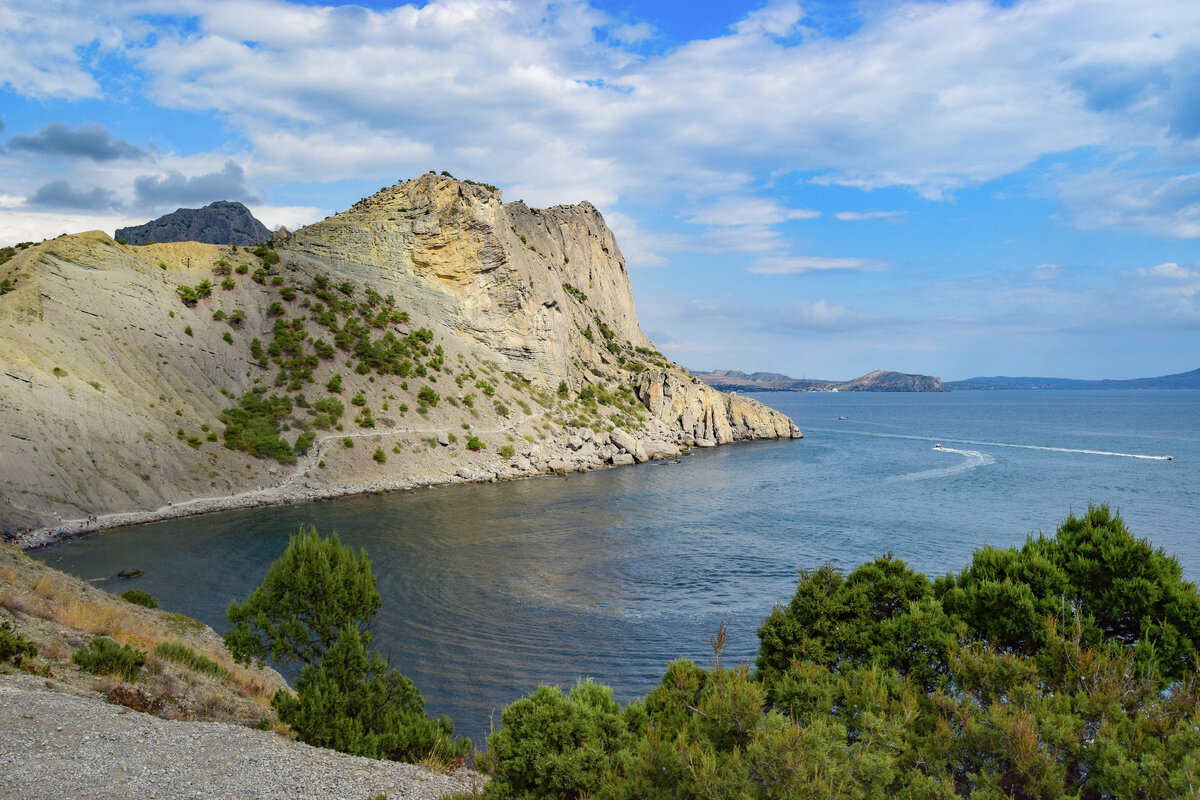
890, 381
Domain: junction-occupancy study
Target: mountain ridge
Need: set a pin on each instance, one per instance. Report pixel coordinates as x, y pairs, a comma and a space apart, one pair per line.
1178, 380
428, 334
877, 381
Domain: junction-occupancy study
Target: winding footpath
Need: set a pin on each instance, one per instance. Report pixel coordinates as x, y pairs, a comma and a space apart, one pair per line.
285, 491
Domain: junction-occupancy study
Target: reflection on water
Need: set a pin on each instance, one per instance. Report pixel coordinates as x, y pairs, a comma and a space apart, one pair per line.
489, 590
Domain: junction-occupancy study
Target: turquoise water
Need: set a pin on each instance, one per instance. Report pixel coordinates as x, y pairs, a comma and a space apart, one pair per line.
489, 590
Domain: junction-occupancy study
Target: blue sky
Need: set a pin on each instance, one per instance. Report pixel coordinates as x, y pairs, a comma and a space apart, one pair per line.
821, 188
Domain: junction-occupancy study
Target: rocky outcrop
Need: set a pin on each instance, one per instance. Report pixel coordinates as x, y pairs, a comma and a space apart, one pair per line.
470, 339
702, 414
222, 222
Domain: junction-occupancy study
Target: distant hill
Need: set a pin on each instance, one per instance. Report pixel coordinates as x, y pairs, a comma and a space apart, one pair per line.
878, 381
1181, 380
222, 222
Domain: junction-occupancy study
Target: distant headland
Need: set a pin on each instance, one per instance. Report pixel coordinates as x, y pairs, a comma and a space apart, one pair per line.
878, 381
890, 381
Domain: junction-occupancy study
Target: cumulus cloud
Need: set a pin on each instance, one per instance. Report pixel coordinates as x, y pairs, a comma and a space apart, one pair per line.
174, 188
1170, 270
60, 194
90, 140
556, 96
793, 265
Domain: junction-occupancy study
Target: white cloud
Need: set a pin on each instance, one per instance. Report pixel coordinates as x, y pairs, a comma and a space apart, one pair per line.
1044, 272
862, 216
793, 265
32, 226
1125, 200
742, 210
934, 97
291, 217
1170, 271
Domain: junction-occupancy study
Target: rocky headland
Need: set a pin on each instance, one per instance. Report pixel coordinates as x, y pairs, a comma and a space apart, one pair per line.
429, 334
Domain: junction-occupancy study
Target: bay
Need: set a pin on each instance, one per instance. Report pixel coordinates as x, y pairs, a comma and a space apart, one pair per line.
491, 589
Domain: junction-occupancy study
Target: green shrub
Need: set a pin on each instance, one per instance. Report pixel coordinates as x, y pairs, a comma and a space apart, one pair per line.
253, 425
104, 656
182, 654
475, 444
140, 598
507, 451
556, 746
228, 337
348, 442
334, 384
428, 396
14, 648
379, 455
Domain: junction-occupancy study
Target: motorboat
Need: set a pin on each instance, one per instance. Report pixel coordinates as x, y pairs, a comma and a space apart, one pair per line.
938, 446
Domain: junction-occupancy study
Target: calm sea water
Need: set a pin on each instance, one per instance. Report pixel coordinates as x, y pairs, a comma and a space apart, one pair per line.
489, 590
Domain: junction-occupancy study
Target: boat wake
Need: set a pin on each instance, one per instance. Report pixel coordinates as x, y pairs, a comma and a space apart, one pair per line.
995, 444
972, 459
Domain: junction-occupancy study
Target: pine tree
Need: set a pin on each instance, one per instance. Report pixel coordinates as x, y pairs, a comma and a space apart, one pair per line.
314, 607
314, 591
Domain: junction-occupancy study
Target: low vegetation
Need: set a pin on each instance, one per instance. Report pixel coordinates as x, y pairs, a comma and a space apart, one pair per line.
104, 656
60, 628
1062, 669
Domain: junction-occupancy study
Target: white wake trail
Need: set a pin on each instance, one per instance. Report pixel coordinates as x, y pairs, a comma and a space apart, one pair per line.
972, 459
993, 444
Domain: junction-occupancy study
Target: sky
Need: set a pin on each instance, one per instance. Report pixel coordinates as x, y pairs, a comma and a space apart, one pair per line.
959, 188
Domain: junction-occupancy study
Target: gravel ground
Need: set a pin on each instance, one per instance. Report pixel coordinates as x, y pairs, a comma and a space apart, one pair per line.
55, 745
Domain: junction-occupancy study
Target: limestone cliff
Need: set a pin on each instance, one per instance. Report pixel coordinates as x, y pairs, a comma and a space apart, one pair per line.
430, 333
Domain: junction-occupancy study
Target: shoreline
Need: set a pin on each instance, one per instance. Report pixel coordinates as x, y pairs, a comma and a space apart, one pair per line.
283, 494
256, 498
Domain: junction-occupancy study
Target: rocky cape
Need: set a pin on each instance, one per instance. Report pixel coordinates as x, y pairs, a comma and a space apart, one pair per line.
878, 381
429, 334
222, 222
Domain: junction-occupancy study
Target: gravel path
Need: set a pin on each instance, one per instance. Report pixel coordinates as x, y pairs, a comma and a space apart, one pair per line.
55, 745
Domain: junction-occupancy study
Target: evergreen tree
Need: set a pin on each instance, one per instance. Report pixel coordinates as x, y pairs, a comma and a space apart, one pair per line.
314, 607
313, 592
353, 703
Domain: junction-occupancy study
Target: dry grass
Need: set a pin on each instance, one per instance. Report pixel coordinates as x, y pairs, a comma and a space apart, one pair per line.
33, 591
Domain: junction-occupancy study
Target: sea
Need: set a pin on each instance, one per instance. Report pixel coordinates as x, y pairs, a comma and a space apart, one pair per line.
490, 590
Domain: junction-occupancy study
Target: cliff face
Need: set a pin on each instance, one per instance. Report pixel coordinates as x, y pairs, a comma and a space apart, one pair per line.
430, 333
222, 222
523, 283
